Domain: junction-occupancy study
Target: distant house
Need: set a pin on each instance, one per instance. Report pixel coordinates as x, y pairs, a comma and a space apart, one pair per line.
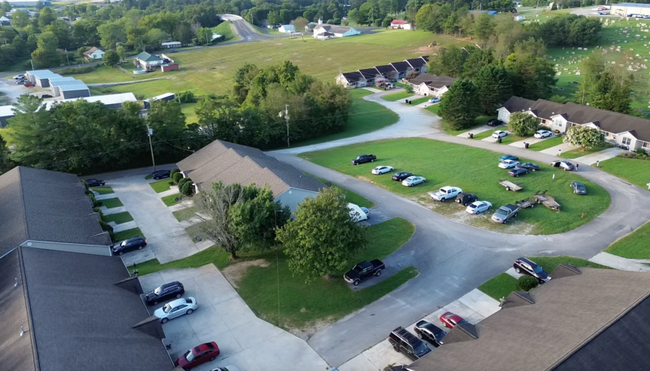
430, 85
328, 31
4, 21
620, 129
351, 80
391, 72
387, 71
171, 44
93, 53
68, 87
402, 69
162, 97
287, 28
398, 24
147, 61
6, 112
419, 65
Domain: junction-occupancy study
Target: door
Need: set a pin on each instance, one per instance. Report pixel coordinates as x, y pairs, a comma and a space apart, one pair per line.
178, 311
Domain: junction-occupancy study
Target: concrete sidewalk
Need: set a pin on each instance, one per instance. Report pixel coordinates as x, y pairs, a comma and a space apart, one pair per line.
521, 143
617, 262
107, 196
476, 130
556, 149
600, 156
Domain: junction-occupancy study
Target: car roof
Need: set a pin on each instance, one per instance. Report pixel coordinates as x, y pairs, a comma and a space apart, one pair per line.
177, 302
169, 284
525, 260
407, 336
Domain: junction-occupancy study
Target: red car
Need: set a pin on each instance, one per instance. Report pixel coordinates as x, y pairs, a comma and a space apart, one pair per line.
28, 84
450, 320
198, 355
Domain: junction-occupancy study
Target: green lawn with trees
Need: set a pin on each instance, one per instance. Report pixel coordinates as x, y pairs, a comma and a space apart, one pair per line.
481, 179
633, 170
634, 245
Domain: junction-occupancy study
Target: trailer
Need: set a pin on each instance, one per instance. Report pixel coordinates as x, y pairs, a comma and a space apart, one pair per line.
525, 204
511, 186
546, 200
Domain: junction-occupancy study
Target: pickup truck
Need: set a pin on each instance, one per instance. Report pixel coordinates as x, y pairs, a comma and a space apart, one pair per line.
364, 270
362, 159
505, 213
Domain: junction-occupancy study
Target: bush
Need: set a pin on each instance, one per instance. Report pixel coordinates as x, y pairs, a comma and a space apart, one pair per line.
186, 97
106, 227
186, 187
176, 177
640, 152
95, 202
76, 70
173, 171
527, 283
408, 88
87, 187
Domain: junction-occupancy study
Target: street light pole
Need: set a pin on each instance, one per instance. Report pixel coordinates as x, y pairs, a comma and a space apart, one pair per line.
285, 114
149, 134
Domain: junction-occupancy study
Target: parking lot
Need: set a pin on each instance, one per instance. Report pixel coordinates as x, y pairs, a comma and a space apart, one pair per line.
222, 316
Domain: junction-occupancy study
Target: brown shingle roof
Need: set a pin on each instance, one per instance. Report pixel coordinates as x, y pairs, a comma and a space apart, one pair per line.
432, 80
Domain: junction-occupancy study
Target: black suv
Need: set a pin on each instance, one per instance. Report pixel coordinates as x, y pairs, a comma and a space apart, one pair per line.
429, 332
167, 291
160, 174
466, 198
408, 344
134, 243
529, 267
95, 182
401, 176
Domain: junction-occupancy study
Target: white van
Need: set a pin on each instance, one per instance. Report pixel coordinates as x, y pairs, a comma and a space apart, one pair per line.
356, 214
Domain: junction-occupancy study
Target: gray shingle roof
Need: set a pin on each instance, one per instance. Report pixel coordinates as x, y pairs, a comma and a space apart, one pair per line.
416, 62
386, 70
146, 57
432, 80
369, 73
401, 66
353, 76
597, 320
334, 28
235, 163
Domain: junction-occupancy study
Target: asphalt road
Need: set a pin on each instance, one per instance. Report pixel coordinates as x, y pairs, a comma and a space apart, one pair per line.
454, 258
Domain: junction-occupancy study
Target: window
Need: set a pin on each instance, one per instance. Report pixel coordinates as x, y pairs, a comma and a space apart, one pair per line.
645, 145
626, 141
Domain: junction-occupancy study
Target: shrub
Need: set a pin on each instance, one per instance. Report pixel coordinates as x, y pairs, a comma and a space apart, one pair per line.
173, 171
640, 152
106, 227
186, 187
186, 97
95, 202
176, 177
408, 88
527, 283
77, 70
86, 185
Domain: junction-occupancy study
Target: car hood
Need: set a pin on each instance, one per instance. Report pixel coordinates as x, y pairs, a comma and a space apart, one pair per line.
150, 295
159, 313
181, 361
351, 274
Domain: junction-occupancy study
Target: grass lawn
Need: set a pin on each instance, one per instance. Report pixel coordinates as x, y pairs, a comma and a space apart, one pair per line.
488, 133
120, 236
196, 231
396, 96
185, 214
112, 202
548, 143
105, 74
103, 190
161, 185
190, 114
578, 152
511, 139
352, 197
480, 121
171, 199
415, 102
148, 177
118, 218
225, 29
634, 245
364, 117
481, 178
633, 170
500, 286
435, 109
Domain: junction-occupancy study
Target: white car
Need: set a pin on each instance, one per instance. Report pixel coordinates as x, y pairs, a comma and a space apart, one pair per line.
540, 134
508, 164
499, 134
356, 213
413, 181
382, 170
227, 368
445, 193
175, 309
478, 207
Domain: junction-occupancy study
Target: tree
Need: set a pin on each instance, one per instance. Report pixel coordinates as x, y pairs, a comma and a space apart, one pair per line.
111, 58
459, 106
5, 163
424, 18
20, 19
494, 87
111, 34
300, 24
522, 124
5, 7
204, 36
483, 27
322, 238
532, 77
121, 52
46, 17
272, 18
527, 283
449, 62
46, 54
584, 137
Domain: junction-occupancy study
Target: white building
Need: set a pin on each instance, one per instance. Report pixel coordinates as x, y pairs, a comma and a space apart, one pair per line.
93, 53
430, 85
287, 28
171, 44
328, 31
628, 9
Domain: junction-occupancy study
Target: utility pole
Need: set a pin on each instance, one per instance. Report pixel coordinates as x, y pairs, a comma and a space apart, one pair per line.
149, 134
32, 61
285, 114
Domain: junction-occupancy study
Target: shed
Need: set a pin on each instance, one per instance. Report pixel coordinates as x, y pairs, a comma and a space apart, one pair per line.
287, 28
171, 44
169, 67
6, 112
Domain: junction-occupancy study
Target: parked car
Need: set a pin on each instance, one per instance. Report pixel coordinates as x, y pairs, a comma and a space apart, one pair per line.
508, 157
529, 267
133, 243
450, 320
408, 344
499, 134
434, 100
356, 213
508, 164
543, 134
365, 211
198, 355
173, 51
412, 181
160, 174
505, 213
530, 166
517, 171
19, 82
29, 84
401, 176
466, 198
175, 309
46, 96
445, 193
95, 182
564, 165
433, 334
578, 188
19, 77
478, 207
364, 270
362, 159
226, 368
495, 122
382, 170
161, 293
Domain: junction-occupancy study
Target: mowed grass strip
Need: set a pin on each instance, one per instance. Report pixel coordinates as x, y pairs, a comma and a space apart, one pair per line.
129, 233
499, 286
171, 199
161, 185
488, 133
635, 245
578, 152
547, 143
415, 102
118, 218
352, 197
474, 170
633, 170
396, 96
185, 214
103, 190
112, 202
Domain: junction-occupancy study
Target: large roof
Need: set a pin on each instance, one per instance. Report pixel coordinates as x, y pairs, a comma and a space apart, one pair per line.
333, 28
146, 57
44, 205
633, 5
353, 76
597, 320
235, 163
432, 80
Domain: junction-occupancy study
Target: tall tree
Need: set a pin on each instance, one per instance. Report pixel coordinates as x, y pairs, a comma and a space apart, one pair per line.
111, 58
46, 17
584, 137
46, 54
460, 105
494, 87
532, 77
522, 124
322, 238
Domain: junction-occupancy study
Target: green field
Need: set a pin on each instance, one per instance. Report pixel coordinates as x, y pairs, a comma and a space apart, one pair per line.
118, 218
225, 29
548, 143
578, 152
190, 114
112, 202
171, 199
446, 164
415, 102
633, 170
633, 246
352, 197
396, 96
103, 190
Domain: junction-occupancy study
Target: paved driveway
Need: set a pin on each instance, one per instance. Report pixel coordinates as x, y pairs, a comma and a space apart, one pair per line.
222, 316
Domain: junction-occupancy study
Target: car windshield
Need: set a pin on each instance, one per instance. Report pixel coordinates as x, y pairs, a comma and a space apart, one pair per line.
189, 356
442, 190
538, 269
501, 212
167, 308
421, 349
474, 205
157, 291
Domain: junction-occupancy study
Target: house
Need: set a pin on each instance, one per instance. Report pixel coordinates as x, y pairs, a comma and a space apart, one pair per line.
398, 24
40, 78
402, 69
351, 80
583, 319
628, 9
6, 112
328, 31
419, 65
623, 130
147, 61
68, 87
93, 53
431, 85
287, 28
4, 21
162, 97
64, 297
27, 3
387, 71
169, 67
171, 44
370, 75
230, 163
